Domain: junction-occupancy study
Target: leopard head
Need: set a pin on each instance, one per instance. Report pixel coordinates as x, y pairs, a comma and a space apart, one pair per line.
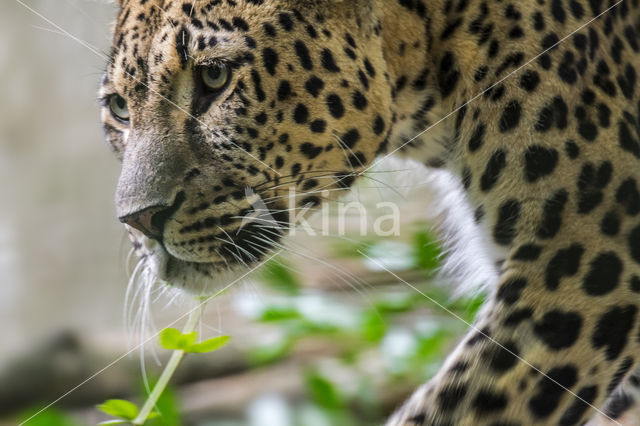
219, 110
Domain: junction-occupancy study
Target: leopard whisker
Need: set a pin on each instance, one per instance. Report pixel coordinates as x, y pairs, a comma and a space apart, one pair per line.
236, 246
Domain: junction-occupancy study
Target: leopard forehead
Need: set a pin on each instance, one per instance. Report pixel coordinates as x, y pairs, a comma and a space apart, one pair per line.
156, 38
152, 39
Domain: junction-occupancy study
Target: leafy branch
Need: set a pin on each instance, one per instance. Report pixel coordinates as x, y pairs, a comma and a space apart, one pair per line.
181, 343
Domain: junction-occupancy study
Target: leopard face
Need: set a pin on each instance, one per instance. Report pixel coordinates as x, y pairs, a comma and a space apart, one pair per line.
216, 107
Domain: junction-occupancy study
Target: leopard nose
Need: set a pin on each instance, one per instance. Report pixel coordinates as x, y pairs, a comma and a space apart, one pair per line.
149, 221
152, 220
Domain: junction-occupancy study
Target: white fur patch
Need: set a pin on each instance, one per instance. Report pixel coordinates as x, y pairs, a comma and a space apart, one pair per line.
470, 256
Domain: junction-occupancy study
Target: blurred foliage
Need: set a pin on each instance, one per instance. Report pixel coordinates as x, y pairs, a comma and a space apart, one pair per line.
278, 276
426, 251
166, 413
168, 410
411, 331
48, 417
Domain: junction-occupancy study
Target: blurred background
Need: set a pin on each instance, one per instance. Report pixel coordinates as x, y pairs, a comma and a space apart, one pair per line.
321, 336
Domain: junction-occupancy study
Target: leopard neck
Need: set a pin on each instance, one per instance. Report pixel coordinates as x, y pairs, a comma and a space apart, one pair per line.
417, 39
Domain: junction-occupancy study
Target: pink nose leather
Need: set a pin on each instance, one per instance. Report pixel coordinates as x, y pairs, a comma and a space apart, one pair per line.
144, 221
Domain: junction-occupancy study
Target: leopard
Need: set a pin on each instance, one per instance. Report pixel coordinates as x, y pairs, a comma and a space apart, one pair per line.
216, 106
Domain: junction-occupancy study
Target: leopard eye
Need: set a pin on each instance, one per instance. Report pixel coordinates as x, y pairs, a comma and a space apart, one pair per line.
118, 107
215, 77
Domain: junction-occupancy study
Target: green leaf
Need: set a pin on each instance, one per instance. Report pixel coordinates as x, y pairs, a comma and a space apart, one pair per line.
348, 249
119, 408
168, 410
274, 314
209, 345
431, 348
395, 305
270, 353
373, 326
323, 392
472, 307
48, 417
173, 339
426, 250
277, 275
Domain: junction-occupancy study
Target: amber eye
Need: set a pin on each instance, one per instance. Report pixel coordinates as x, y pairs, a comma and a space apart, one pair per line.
215, 77
118, 107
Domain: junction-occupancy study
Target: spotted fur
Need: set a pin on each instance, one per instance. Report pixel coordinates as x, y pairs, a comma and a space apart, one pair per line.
541, 124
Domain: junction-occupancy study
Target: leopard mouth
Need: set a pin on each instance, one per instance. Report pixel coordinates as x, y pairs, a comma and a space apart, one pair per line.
201, 259
233, 257
244, 245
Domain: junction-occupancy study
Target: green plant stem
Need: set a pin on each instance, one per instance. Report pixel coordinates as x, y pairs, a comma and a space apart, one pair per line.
168, 371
